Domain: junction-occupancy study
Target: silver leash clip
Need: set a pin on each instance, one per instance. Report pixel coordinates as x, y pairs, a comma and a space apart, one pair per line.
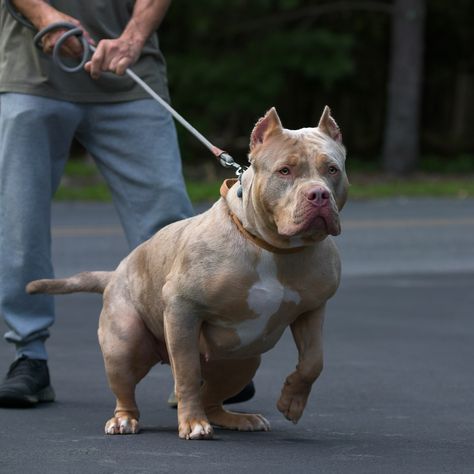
228, 162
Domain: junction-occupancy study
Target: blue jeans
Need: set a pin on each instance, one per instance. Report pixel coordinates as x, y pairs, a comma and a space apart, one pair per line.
135, 148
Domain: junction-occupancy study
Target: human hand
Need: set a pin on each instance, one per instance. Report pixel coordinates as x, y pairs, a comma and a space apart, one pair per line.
114, 55
72, 47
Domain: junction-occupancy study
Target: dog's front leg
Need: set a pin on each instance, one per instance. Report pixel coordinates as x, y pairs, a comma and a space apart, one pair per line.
307, 332
182, 328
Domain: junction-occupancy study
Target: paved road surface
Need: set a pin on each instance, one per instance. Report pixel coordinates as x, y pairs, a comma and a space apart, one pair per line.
396, 395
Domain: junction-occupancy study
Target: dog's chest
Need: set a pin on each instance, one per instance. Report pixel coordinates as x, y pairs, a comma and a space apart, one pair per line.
265, 299
254, 320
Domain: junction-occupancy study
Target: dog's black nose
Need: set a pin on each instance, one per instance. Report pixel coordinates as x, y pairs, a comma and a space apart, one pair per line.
318, 196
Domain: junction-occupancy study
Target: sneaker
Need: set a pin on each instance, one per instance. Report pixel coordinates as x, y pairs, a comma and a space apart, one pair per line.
245, 394
26, 384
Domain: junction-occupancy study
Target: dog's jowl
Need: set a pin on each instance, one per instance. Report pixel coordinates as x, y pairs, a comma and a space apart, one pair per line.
211, 293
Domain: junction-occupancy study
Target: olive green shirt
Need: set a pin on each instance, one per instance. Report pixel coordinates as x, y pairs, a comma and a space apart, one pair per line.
26, 69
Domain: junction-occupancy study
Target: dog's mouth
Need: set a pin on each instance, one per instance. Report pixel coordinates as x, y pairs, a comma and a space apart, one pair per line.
319, 224
309, 221
322, 224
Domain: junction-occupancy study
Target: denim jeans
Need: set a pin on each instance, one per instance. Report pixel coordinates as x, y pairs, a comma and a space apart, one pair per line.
135, 148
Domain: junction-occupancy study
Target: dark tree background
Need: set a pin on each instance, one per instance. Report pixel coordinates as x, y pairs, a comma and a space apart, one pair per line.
399, 75
401, 143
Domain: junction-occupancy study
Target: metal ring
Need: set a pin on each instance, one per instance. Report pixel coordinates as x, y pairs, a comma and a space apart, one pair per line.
73, 30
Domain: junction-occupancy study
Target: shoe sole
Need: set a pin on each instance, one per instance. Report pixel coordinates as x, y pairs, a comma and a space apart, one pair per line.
14, 400
245, 395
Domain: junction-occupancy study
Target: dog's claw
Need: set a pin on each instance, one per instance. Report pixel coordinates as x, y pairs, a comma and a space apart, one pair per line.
265, 423
196, 430
199, 432
121, 425
239, 421
292, 411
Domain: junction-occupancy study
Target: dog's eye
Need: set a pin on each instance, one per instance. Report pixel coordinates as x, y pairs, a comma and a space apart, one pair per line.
285, 171
333, 170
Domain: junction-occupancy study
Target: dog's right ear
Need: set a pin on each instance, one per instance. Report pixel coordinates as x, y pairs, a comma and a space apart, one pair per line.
266, 126
328, 125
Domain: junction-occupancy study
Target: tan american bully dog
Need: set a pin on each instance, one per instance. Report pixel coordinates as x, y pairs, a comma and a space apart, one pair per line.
211, 293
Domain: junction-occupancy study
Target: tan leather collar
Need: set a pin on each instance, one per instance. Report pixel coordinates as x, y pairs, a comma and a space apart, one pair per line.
226, 185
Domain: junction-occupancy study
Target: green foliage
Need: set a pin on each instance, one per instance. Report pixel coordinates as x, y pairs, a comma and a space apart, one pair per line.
79, 168
455, 188
251, 77
460, 164
229, 62
92, 192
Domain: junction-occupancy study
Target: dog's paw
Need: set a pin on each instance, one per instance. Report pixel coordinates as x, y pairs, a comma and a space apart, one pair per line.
122, 425
195, 429
239, 421
293, 400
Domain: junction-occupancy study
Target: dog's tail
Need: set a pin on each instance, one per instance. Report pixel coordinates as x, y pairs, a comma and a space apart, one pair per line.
92, 282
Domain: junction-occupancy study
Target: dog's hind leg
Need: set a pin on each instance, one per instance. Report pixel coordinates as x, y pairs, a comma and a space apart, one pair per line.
129, 352
222, 380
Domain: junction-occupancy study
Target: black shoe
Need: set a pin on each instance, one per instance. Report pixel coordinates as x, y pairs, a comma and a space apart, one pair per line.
245, 394
26, 384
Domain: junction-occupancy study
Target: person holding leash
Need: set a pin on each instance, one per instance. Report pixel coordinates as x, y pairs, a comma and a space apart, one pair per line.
42, 109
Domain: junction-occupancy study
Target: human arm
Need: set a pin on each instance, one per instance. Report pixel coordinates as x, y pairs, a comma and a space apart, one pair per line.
116, 55
41, 14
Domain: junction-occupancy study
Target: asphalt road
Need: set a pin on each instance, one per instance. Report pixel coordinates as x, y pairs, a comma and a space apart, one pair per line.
396, 395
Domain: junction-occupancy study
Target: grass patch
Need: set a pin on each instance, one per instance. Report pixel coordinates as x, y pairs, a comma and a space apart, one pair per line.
425, 186
202, 191
93, 192
80, 169
463, 163
430, 164
82, 182
198, 191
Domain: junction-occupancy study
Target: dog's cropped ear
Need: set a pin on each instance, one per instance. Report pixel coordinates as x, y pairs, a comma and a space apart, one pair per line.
266, 126
329, 126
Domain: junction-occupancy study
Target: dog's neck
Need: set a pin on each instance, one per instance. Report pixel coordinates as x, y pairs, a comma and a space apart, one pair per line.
237, 207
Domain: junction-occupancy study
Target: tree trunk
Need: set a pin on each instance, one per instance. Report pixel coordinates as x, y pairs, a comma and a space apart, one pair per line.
400, 149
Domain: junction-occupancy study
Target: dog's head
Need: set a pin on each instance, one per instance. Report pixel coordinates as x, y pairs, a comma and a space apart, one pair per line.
297, 183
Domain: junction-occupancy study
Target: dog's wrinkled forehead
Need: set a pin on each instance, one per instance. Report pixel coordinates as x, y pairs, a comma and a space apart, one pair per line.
270, 141
312, 142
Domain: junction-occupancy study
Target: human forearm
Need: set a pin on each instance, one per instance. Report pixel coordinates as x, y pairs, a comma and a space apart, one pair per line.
116, 55
146, 18
34, 10
41, 14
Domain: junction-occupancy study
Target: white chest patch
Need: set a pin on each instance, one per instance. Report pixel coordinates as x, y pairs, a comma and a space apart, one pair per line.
265, 298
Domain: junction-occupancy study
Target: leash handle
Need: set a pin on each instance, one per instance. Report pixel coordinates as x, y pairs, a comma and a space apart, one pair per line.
72, 30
